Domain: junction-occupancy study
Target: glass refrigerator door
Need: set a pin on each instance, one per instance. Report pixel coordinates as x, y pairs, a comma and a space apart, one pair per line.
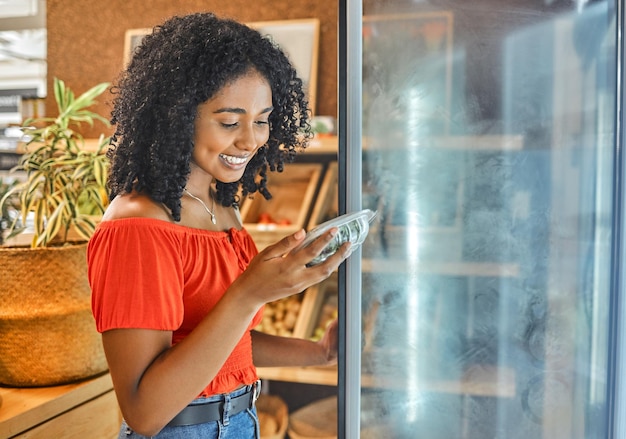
484, 135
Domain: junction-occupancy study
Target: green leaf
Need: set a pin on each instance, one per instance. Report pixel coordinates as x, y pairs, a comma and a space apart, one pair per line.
94, 203
62, 179
59, 93
85, 100
55, 221
99, 172
40, 216
84, 226
8, 194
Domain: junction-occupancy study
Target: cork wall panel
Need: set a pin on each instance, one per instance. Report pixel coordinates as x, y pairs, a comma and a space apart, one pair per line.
86, 38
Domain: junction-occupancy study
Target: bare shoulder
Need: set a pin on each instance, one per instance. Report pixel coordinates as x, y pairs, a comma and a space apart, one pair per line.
135, 205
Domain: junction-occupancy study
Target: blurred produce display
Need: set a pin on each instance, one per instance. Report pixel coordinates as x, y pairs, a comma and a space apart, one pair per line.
280, 317
327, 314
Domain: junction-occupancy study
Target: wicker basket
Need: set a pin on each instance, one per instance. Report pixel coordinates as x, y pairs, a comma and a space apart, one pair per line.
48, 334
317, 420
272, 408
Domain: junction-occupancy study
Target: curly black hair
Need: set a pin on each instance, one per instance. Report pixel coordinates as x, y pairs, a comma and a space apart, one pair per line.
184, 62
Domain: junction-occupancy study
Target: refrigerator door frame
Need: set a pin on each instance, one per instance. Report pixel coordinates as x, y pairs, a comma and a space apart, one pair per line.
616, 413
350, 171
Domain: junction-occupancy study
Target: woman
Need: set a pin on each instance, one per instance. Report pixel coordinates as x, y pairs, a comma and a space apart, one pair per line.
204, 109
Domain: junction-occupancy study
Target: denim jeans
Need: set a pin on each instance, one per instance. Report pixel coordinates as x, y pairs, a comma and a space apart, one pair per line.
243, 425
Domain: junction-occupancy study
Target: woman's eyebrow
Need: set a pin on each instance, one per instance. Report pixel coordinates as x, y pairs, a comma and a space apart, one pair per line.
237, 110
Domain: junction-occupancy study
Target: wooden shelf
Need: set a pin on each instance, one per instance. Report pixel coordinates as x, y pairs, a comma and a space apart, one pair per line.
479, 143
477, 380
324, 376
323, 145
44, 411
330, 144
486, 269
459, 143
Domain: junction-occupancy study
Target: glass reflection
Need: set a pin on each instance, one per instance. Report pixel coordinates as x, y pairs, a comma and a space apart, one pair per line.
488, 146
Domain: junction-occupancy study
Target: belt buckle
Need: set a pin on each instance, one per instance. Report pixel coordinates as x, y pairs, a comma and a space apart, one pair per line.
256, 391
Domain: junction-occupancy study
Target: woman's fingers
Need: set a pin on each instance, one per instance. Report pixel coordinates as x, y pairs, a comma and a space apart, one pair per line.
284, 246
282, 272
304, 255
315, 247
333, 261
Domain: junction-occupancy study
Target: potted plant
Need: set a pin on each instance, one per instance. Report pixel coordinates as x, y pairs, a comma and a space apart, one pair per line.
7, 208
49, 335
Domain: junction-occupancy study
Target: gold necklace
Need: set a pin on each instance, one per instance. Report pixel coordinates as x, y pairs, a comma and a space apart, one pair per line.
213, 220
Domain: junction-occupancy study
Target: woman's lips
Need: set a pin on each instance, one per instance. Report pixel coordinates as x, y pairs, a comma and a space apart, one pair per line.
234, 162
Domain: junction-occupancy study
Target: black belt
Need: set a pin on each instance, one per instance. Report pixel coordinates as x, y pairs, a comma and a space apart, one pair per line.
213, 411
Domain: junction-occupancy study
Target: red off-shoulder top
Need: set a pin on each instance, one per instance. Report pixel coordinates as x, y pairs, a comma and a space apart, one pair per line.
151, 274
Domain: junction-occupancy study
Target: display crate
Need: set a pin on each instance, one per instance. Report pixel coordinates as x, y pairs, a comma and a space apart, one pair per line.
293, 193
319, 308
326, 203
301, 314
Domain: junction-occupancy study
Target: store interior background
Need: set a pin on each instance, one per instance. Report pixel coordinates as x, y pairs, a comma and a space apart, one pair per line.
86, 39
86, 46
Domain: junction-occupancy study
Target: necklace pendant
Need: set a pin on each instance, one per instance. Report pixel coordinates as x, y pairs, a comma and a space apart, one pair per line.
209, 211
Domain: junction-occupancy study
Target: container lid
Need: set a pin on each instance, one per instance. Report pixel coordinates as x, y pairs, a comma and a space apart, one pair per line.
363, 217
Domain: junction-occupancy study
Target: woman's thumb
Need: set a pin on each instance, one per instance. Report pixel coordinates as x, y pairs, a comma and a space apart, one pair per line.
285, 245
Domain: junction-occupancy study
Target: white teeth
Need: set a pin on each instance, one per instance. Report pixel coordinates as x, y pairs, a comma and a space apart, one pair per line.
234, 160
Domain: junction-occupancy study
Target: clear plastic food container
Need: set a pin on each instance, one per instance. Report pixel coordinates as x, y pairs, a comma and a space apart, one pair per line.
352, 227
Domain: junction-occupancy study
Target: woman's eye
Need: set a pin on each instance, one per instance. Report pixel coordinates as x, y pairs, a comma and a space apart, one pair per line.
236, 124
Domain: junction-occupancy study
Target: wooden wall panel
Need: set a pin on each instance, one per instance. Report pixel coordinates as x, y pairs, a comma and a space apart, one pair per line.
86, 38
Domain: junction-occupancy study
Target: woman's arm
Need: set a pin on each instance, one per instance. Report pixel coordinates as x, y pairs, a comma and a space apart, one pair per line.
273, 351
154, 381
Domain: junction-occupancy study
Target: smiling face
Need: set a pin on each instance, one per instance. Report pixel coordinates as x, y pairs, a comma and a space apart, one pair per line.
230, 127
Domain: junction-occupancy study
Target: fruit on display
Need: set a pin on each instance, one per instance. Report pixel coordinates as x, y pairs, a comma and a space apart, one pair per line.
327, 315
279, 317
267, 219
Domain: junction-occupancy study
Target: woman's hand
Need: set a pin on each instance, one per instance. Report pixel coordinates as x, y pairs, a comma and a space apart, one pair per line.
278, 271
329, 342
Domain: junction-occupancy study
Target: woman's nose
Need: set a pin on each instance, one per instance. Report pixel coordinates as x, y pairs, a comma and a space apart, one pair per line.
247, 139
